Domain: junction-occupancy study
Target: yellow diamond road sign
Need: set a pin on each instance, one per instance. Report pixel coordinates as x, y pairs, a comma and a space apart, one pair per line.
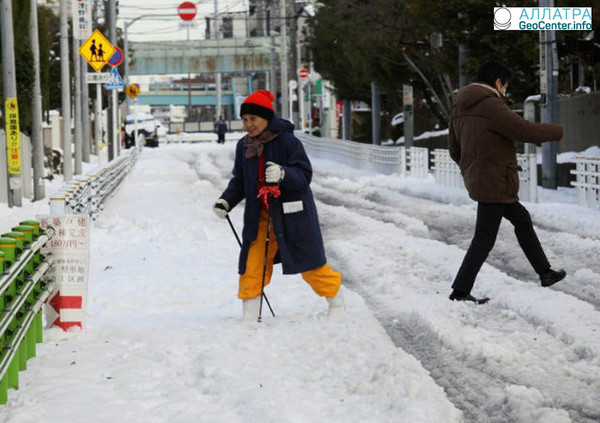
97, 50
133, 90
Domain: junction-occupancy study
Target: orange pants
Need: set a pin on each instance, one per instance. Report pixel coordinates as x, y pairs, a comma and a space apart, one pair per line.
323, 280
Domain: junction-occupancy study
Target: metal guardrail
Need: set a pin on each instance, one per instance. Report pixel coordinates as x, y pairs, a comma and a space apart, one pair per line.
22, 294
413, 162
447, 173
387, 160
587, 171
89, 194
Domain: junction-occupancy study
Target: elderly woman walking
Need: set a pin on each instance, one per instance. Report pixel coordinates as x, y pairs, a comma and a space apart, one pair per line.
273, 173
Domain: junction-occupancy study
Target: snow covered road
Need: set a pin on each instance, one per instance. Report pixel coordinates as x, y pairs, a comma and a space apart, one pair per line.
164, 343
529, 355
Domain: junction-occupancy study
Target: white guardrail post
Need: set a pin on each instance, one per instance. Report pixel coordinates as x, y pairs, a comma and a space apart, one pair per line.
587, 171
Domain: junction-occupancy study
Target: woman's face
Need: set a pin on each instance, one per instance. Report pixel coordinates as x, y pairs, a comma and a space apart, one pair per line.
254, 125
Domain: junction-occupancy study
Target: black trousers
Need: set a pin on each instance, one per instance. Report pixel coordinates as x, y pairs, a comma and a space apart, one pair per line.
489, 217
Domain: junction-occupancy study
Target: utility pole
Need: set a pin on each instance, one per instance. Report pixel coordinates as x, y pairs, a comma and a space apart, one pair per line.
407, 94
217, 74
13, 178
77, 101
126, 59
65, 83
272, 73
549, 106
283, 59
39, 190
375, 113
347, 120
463, 55
85, 101
189, 82
98, 121
295, 63
126, 26
112, 110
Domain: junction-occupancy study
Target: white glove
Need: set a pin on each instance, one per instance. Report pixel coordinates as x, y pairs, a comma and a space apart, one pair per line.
274, 173
221, 208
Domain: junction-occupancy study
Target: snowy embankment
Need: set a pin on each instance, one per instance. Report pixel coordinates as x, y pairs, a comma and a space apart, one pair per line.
164, 342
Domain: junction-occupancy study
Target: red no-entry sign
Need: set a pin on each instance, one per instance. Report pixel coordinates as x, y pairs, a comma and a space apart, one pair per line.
187, 10
302, 73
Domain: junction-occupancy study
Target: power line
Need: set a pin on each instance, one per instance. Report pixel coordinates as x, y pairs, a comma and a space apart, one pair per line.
202, 3
154, 31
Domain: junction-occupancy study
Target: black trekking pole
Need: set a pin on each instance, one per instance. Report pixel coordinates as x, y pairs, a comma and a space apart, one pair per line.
262, 293
234, 231
267, 238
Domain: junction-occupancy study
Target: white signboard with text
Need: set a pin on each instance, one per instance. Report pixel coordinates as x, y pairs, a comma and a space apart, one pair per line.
82, 19
70, 248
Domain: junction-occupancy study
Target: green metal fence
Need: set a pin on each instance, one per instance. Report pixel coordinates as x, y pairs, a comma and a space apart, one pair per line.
22, 294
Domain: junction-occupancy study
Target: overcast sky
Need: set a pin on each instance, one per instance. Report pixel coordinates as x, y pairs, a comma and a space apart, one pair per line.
166, 25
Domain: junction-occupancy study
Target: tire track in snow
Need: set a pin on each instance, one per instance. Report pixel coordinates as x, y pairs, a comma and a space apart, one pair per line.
211, 166
516, 349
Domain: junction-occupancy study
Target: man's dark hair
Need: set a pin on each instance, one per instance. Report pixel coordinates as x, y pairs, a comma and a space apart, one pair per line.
491, 71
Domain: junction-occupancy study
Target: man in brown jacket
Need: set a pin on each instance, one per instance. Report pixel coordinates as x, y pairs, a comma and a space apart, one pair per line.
481, 141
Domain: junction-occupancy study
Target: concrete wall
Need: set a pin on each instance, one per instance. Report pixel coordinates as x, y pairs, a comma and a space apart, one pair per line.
580, 118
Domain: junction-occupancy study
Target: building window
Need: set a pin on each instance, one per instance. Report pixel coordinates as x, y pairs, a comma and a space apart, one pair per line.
227, 27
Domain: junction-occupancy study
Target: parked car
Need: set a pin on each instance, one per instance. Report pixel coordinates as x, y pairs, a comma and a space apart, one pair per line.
146, 127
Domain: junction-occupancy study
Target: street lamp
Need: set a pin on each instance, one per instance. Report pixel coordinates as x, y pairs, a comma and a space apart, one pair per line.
126, 53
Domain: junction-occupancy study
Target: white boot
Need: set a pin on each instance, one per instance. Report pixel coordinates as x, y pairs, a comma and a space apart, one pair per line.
250, 308
336, 304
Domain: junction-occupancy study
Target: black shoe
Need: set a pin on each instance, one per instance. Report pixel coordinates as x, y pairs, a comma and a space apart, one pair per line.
461, 296
550, 277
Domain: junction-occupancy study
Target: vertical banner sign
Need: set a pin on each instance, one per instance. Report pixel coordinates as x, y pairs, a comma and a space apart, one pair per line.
70, 248
13, 137
325, 96
543, 68
82, 19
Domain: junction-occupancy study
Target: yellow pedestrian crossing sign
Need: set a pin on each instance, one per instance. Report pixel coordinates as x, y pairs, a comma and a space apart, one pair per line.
133, 90
97, 50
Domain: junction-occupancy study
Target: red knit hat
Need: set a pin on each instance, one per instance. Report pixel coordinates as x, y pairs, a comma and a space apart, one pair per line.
259, 103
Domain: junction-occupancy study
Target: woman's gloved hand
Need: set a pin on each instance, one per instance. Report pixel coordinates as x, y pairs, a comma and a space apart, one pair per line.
274, 173
221, 208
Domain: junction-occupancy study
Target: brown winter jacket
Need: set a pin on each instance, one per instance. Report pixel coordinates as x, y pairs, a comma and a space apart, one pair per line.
481, 140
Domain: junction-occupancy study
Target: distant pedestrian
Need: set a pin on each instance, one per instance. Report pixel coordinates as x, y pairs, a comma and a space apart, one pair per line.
221, 129
272, 173
481, 141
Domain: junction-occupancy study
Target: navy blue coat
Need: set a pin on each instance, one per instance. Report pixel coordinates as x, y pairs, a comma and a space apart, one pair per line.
297, 231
